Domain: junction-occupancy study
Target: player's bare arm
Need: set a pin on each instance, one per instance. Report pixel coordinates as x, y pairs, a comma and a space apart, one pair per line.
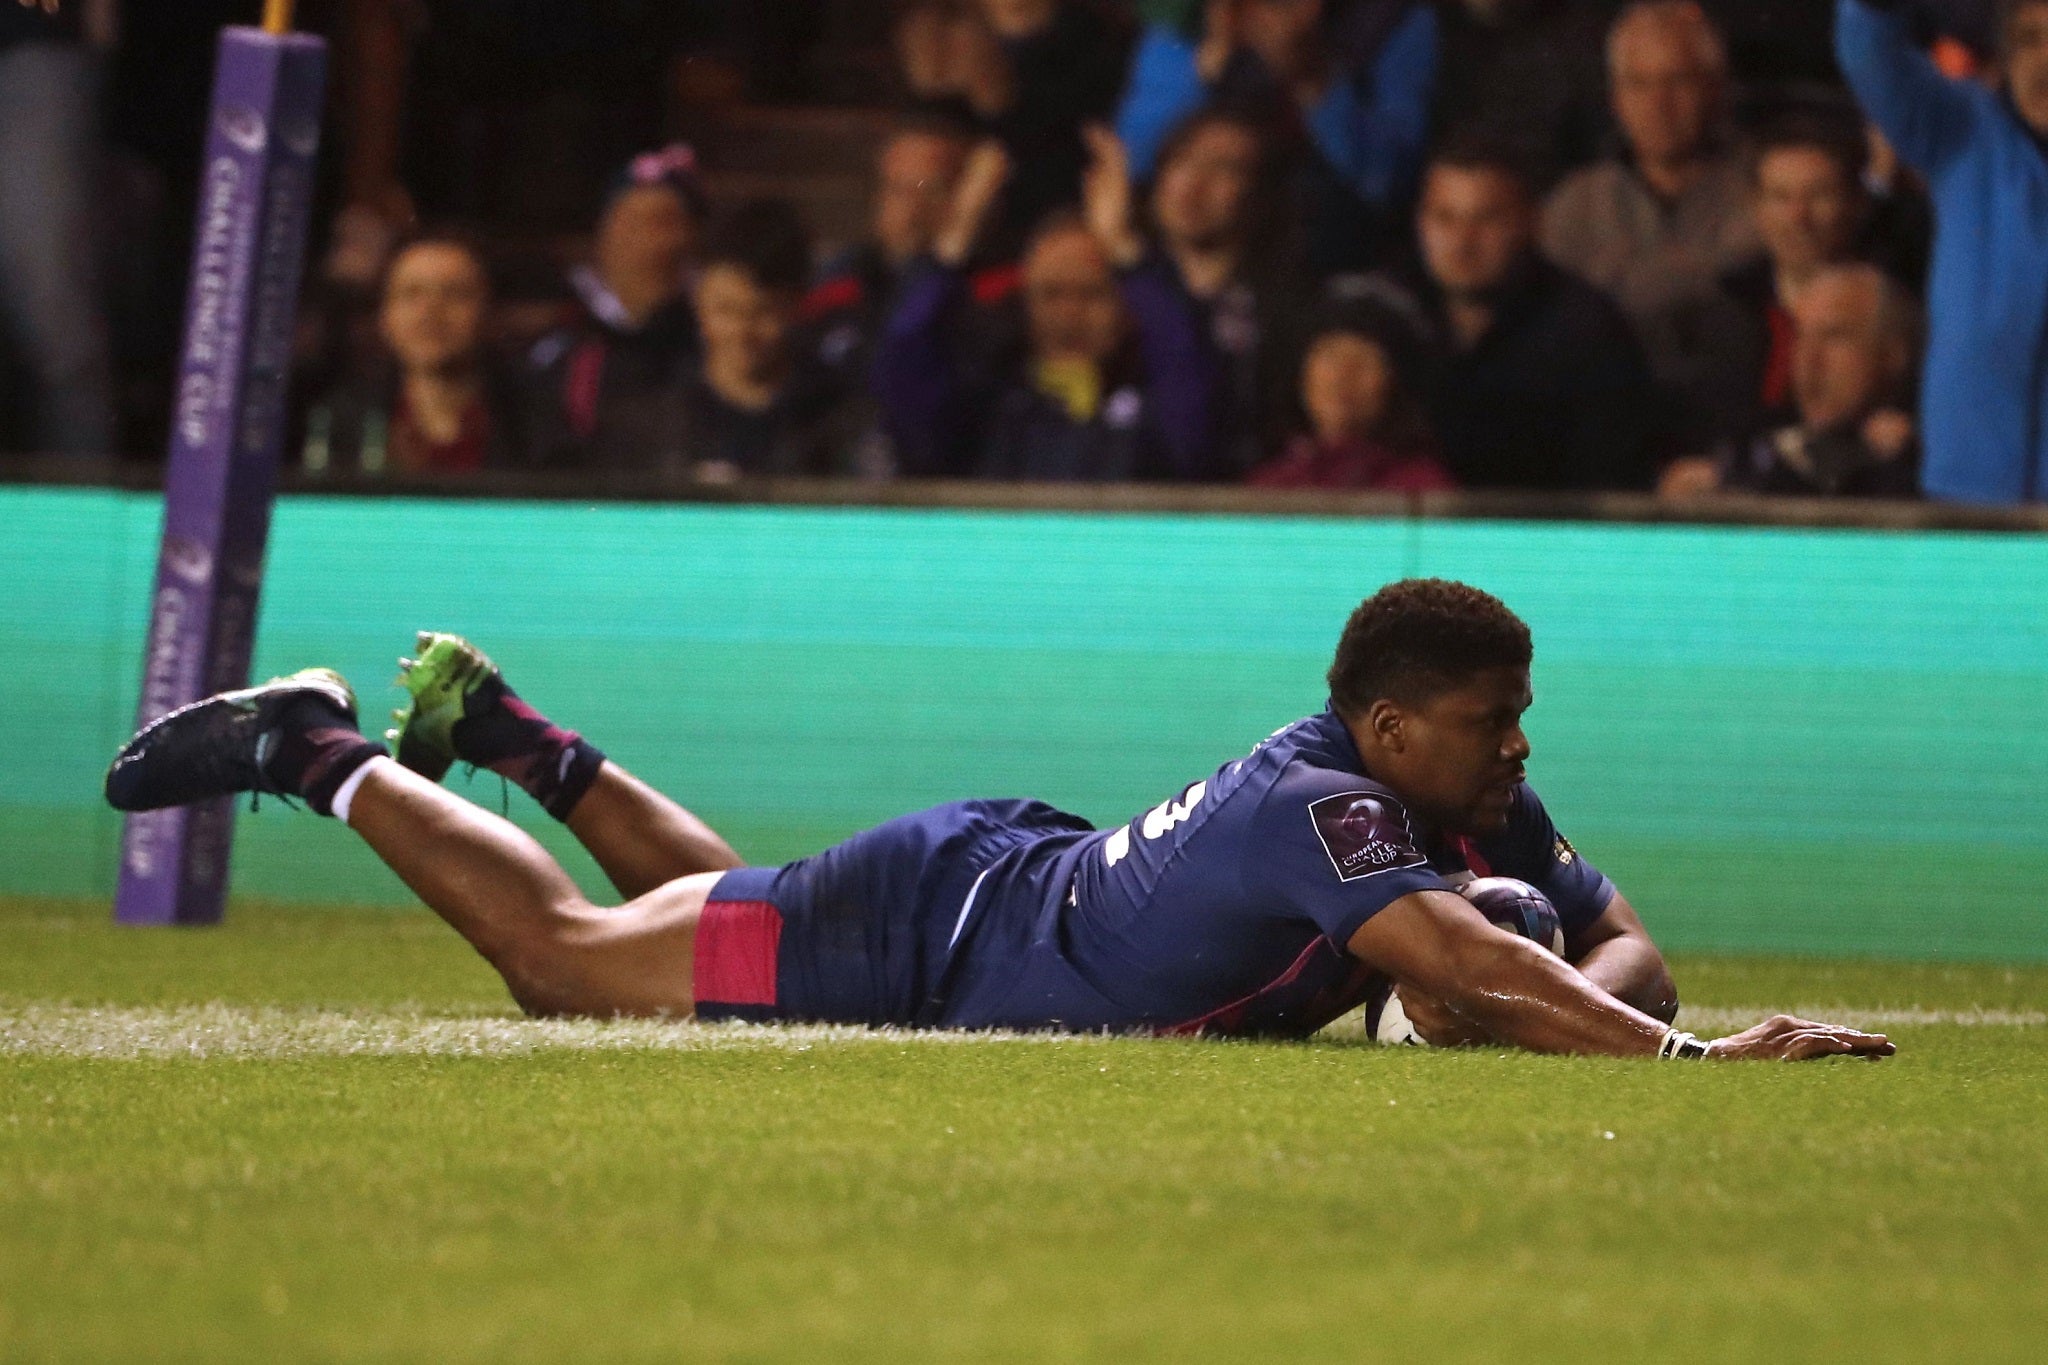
1509, 989
1616, 954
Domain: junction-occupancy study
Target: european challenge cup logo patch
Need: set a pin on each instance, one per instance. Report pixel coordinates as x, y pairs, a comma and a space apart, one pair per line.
1364, 833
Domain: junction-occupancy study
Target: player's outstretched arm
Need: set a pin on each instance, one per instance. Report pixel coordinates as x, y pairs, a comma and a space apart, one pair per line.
1617, 954
1518, 993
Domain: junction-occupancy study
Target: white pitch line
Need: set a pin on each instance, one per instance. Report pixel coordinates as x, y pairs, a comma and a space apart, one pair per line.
218, 1030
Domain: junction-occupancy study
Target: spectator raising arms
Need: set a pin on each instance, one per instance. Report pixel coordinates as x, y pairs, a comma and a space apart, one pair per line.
1113, 380
1353, 87
434, 402
603, 387
1851, 371
915, 173
1028, 74
1544, 386
1361, 390
1658, 225
1984, 391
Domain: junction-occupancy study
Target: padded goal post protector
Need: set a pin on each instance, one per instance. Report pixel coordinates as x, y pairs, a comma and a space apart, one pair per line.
228, 425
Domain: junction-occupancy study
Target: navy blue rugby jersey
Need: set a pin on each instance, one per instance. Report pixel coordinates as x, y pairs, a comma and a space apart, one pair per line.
1225, 910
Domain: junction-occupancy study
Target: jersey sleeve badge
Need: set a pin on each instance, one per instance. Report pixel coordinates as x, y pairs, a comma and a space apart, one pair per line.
1364, 833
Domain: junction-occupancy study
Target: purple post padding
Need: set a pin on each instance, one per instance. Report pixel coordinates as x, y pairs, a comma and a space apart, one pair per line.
228, 425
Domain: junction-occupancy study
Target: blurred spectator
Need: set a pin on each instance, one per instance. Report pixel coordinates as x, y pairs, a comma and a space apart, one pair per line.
915, 174
1544, 385
435, 403
1853, 430
1529, 76
506, 111
1361, 390
1900, 236
603, 387
52, 311
1028, 73
757, 404
1984, 153
1351, 84
1774, 45
1659, 224
1731, 350
1112, 381
1219, 216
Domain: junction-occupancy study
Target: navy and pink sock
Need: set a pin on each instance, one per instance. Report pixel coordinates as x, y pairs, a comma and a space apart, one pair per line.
503, 733
318, 749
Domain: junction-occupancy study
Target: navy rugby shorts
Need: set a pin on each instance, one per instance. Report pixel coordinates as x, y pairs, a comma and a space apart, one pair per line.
857, 934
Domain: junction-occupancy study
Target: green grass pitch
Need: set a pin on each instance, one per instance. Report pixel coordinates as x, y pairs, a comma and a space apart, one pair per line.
323, 1135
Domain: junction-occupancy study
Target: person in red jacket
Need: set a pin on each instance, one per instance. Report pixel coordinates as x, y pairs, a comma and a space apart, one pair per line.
1361, 394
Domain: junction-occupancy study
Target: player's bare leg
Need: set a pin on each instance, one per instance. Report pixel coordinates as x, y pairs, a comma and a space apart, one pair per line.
640, 837
462, 709
559, 954
499, 889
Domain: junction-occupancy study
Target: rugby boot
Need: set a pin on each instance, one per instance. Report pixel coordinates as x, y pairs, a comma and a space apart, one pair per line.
449, 681
463, 709
292, 737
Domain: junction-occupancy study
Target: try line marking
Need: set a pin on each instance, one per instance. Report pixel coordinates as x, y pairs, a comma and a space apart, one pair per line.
218, 1030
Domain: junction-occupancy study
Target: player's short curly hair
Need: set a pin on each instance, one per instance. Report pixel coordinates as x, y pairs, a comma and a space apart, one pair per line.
1421, 636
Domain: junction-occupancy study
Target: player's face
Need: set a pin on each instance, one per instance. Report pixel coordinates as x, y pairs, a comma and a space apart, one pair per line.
1459, 756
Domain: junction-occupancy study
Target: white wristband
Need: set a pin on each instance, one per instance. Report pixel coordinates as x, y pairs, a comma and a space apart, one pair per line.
1680, 1044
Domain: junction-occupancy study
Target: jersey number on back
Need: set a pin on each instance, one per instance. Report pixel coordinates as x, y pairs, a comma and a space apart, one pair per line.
1156, 822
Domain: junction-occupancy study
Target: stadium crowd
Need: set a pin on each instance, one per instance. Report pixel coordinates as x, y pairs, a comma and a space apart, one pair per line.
1678, 245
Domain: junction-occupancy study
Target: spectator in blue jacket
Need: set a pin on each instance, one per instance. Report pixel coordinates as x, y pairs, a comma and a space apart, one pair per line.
1112, 380
1984, 389
1354, 82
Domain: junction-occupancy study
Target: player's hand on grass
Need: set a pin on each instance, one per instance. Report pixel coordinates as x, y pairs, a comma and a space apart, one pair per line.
1437, 1024
1785, 1038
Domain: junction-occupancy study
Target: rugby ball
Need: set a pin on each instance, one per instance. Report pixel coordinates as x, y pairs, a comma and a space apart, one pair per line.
1518, 908
1508, 903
